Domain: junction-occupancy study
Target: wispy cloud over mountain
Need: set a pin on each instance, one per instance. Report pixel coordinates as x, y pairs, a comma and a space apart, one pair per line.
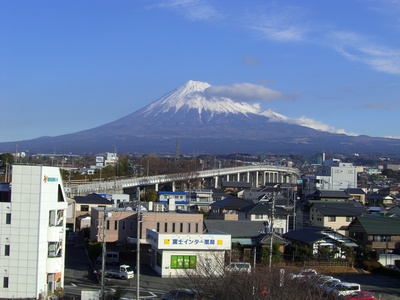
244, 92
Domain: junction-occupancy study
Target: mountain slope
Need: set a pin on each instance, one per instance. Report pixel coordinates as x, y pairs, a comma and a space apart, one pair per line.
204, 123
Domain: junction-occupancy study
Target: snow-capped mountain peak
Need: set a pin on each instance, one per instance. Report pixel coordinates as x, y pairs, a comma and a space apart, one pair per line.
193, 95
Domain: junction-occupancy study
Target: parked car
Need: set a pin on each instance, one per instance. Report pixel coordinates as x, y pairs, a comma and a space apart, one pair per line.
303, 273
238, 267
111, 257
329, 285
362, 295
345, 288
180, 294
123, 272
393, 267
315, 280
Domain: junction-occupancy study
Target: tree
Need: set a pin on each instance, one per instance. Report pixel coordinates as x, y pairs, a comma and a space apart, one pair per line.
150, 196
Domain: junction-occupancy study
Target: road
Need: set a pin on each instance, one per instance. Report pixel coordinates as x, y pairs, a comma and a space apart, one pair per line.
79, 276
384, 287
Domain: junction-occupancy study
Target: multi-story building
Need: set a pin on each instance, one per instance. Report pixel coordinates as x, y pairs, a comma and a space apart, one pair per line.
332, 175
32, 233
121, 224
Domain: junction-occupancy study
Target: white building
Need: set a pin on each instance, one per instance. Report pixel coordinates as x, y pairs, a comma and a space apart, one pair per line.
32, 233
175, 255
332, 175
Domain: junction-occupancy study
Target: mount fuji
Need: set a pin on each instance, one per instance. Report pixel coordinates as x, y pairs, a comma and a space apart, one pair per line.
204, 122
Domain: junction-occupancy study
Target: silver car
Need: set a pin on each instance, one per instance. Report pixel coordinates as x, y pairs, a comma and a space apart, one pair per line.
180, 294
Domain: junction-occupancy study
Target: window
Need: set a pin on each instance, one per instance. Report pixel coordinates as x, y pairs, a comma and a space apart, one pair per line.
5, 282
165, 227
123, 225
7, 250
158, 227
331, 219
115, 225
8, 221
108, 225
349, 219
181, 227
197, 227
258, 217
183, 262
131, 225
84, 207
173, 227
159, 259
188, 227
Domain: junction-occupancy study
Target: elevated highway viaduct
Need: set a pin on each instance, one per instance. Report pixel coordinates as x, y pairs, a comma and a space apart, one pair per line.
257, 175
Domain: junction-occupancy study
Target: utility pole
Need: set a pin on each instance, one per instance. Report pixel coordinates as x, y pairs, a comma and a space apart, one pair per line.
277, 187
271, 230
103, 255
138, 215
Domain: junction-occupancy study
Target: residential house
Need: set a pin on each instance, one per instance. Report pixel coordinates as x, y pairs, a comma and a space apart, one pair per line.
248, 238
357, 194
83, 206
302, 209
227, 209
376, 232
263, 212
335, 215
320, 240
174, 200
381, 199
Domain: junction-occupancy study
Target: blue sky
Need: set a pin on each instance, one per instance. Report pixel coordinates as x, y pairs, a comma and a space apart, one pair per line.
67, 66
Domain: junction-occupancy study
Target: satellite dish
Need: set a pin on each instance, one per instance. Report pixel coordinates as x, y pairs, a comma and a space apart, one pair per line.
22, 154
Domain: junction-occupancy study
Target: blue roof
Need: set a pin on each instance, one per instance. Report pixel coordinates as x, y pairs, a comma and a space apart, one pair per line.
171, 193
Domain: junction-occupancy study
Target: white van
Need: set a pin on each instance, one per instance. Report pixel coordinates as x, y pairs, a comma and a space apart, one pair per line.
346, 288
112, 258
239, 267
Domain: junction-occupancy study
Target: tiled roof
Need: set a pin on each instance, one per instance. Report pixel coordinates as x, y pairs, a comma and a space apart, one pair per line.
263, 208
307, 235
313, 234
355, 191
378, 225
92, 199
331, 194
348, 209
232, 202
236, 228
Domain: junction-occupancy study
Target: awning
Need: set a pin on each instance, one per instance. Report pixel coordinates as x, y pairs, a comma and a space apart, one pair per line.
350, 244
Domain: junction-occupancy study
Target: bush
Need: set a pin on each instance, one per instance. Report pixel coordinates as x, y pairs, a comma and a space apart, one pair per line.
376, 267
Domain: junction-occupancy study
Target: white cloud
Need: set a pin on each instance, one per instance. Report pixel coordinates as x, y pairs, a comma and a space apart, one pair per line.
317, 125
281, 24
244, 92
195, 10
359, 49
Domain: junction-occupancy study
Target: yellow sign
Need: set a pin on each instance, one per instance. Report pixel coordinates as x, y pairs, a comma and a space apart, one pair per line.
166, 241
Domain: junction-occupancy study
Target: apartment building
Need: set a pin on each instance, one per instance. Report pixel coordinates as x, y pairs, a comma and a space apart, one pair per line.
32, 233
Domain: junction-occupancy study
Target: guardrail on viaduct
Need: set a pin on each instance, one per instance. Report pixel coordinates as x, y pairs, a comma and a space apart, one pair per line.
256, 174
